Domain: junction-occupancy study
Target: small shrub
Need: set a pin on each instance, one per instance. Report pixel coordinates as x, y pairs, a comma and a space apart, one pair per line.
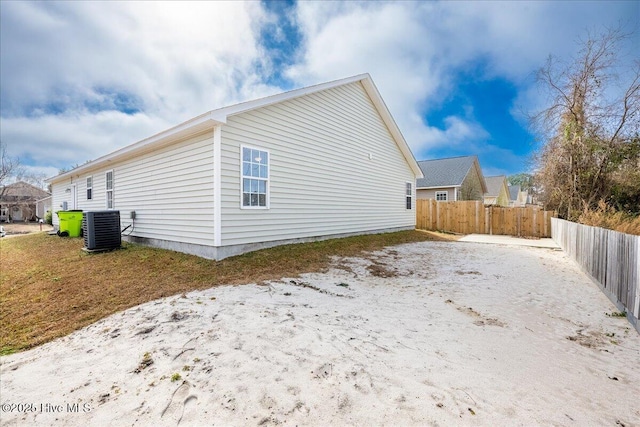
618, 314
48, 217
145, 363
175, 377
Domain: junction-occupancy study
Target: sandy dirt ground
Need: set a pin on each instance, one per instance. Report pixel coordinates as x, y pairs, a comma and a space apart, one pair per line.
424, 334
21, 228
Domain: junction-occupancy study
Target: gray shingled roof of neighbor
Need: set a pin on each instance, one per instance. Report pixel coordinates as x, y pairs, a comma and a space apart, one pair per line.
493, 184
22, 190
444, 172
513, 192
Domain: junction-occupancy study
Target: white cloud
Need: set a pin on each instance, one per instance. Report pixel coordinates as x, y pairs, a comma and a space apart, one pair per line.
456, 132
173, 60
76, 138
415, 49
64, 62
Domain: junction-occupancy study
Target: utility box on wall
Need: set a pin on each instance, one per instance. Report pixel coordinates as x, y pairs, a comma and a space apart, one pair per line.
101, 230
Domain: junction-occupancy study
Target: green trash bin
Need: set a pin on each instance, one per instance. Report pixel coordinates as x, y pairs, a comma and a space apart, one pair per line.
70, 222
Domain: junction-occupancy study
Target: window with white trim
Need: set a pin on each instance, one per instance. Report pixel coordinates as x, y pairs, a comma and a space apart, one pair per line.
441, 196
255, 178
109, 189
408, 194
89, 187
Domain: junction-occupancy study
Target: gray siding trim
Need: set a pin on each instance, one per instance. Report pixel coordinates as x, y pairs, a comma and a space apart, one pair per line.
219, 253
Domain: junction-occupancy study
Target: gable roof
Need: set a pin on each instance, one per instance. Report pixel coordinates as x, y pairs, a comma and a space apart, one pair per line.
513, 192
449, 172
23, 191
220, 116
494, 184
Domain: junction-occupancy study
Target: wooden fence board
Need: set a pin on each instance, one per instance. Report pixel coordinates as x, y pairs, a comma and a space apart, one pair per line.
611, 258
469, 217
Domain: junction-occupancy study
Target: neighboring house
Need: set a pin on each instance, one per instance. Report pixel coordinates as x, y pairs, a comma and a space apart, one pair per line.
518, 198
18, 201
43, 206
317, 162
497, 193
451, 179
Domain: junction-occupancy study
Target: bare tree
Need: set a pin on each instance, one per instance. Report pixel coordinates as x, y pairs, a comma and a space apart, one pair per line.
588, 130
9, 166
33, 178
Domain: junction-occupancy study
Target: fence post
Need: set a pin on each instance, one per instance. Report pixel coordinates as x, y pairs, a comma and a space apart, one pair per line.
534, 225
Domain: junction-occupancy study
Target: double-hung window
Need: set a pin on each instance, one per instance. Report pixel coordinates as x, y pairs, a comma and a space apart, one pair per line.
109, 189
255, 178
441, 196
409, 194
89, 187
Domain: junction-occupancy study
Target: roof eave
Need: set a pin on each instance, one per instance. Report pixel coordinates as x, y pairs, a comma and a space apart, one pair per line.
439, 186
220, 116
197, 124
367, 82
391, 124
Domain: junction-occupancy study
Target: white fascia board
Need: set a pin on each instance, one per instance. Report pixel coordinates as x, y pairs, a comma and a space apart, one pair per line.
222, 113
439, 186
375, 96
219, 117
191, 126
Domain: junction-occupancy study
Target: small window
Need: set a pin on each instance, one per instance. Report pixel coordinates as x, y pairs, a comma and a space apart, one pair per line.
255, 178
441, 196
408, 194
89, 188
109, 189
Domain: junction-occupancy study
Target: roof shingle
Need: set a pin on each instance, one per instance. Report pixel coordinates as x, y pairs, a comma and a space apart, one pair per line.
494, 183
444, 172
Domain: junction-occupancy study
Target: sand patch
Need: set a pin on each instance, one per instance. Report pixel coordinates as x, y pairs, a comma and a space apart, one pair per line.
451, 334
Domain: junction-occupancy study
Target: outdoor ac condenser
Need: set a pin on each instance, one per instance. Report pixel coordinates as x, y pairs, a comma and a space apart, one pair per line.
101, 230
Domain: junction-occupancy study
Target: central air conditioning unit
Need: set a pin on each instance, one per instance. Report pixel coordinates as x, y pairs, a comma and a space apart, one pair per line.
101, 230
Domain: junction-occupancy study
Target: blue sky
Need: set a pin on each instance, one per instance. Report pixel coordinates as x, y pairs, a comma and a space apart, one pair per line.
81, 79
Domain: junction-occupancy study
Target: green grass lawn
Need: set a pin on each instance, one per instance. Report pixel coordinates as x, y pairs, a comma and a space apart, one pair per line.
49, 287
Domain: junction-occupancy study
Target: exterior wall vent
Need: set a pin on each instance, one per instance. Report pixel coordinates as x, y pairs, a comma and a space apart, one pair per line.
101, 230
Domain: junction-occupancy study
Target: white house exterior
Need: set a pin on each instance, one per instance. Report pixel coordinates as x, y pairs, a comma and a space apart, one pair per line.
43, 206
317, 162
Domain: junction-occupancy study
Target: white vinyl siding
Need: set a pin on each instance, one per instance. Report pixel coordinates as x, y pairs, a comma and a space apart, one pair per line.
171, 190
334, 168
431, 193
59, 195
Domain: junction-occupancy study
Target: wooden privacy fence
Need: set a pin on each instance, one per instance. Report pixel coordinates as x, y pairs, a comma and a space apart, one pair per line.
611, 258
469, 217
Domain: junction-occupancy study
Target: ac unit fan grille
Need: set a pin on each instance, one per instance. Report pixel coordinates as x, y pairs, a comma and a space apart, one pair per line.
101, 230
